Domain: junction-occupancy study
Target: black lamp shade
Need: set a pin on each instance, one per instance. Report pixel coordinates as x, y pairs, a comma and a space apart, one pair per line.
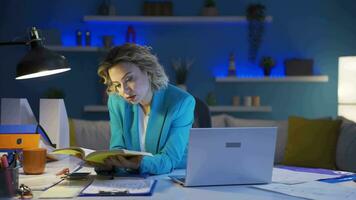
40, 61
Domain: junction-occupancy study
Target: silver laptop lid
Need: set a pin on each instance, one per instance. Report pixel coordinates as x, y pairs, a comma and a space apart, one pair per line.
223, 156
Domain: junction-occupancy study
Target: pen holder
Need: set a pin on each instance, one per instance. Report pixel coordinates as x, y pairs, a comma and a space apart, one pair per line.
9, 181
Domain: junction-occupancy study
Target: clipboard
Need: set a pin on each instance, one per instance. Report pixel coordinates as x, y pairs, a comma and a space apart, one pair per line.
88, 191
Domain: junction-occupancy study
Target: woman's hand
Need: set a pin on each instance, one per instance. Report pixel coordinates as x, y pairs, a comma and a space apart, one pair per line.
132, 162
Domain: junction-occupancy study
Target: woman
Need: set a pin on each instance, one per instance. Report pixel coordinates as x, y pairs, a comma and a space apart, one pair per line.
146, 113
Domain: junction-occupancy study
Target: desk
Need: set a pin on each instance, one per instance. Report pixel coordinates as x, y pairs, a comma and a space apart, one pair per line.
167, 190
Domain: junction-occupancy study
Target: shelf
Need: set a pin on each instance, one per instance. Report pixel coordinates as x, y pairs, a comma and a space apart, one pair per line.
96, 108
169, 19
75, 48
240, 108
321, 78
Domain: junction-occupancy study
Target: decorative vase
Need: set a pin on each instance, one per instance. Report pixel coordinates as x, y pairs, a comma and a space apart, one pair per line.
267, 71
210, 11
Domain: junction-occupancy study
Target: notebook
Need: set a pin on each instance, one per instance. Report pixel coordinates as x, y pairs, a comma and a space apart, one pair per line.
120, 187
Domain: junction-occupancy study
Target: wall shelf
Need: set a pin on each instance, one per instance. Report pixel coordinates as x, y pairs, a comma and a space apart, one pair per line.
321, 78
75, 48
95, 108
169, 19
240, 108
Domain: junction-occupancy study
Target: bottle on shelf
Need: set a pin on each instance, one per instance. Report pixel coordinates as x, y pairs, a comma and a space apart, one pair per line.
130, 34
78, 38
232, 67
87, 38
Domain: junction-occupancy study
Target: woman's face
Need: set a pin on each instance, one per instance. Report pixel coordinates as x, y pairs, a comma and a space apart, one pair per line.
130, 82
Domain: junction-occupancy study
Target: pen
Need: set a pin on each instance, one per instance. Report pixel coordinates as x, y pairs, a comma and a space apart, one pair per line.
340, 179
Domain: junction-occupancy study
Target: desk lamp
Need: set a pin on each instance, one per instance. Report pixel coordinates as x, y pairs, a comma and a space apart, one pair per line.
39, 61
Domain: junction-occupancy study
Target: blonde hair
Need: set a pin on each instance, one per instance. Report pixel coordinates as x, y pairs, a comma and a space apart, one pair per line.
138, 55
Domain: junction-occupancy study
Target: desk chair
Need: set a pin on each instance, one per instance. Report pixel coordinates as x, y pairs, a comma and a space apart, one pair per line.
202, 118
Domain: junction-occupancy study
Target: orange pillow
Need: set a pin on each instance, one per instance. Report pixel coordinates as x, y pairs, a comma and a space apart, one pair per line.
312, 142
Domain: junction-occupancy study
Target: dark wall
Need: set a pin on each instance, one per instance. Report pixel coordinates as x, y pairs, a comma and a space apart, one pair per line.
321, 30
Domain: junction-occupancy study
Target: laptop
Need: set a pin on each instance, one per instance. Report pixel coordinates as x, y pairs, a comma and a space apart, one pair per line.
229, 156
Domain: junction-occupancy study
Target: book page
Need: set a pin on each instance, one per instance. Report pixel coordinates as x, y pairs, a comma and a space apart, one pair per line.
87, 151
101, 155
73, 151
134, 153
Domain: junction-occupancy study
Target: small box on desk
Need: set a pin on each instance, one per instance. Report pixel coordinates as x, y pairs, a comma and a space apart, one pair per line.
22, 136
9, 181
298, 67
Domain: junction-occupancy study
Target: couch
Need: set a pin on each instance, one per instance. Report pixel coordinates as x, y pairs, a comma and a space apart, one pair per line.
96, 135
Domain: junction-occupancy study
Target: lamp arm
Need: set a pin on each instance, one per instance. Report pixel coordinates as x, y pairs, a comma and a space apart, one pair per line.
13, 43
35, 40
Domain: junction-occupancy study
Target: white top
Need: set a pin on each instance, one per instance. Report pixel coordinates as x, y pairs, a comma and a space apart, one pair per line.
142, 126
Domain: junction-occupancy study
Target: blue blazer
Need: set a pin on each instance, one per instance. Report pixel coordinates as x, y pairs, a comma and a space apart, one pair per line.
167, 132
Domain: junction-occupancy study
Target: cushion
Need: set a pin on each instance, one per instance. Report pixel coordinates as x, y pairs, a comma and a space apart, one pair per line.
239, 122
218, 120
72, 139
346, 146
311, 143
91, 134
282, 136
282, 133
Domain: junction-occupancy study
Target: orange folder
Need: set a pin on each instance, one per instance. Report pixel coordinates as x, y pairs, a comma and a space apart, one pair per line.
19, 141
19, 136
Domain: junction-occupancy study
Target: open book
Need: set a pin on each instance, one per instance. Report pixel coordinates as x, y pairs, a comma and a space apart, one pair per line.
97, 156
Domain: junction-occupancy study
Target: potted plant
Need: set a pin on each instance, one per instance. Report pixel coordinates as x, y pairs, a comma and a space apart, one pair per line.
267, 63
181, 68
211, 99
209, 8
255, 14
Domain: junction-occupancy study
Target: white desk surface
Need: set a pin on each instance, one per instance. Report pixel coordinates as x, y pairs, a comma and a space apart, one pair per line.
167, 190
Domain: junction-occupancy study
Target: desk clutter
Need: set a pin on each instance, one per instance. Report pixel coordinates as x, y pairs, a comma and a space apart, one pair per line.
48, 183
293, 181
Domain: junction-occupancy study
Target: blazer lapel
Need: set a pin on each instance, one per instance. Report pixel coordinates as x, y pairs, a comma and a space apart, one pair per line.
131, 120
155, 122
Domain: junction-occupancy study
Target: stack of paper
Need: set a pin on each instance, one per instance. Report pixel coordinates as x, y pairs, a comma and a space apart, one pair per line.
293, 177
313, 190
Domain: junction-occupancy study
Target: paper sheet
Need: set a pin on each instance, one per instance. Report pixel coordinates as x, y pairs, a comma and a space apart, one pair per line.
49, 178
313, 190
130, 185
65, 189
293, 177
